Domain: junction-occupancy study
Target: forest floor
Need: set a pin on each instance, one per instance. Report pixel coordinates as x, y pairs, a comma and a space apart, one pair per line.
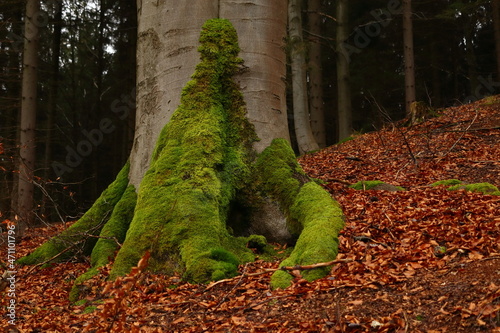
422, 260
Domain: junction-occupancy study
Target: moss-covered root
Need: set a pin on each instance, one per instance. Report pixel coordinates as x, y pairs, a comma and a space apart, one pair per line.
309, 209
76, 238
111, 235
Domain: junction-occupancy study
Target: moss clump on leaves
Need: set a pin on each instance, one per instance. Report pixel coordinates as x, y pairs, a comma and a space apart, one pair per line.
312, 213
78, 238
485, 188
375, 185
455, 184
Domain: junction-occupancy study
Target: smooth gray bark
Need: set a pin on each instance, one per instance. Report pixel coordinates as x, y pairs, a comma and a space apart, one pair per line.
167, 55
316, 104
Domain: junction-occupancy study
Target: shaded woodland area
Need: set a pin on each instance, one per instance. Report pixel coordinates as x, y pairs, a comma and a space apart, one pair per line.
330, 166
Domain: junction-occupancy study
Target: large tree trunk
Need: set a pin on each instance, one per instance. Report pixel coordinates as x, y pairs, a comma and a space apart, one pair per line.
167, 54
203, 181
303, 131
28, 117
409, 59
343, 74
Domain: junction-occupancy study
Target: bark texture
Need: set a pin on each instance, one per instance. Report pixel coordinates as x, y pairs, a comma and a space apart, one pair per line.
496, 26
316, 75
167, 54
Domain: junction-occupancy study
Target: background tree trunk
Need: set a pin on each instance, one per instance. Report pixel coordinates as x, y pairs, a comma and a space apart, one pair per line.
496, 26
52, 99
343, 75
28, 116
410, 94
316, 103
305, 138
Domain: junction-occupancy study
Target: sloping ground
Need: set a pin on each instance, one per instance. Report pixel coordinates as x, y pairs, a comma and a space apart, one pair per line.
422, 260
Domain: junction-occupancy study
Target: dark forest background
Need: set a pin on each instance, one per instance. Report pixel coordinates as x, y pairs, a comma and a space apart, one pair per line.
86, 80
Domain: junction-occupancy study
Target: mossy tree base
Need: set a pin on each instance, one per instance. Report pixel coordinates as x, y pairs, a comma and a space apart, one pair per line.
202, 168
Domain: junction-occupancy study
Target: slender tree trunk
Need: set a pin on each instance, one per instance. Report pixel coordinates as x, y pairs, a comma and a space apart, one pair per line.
316, 75
436, 81
343, 74
52, 99
305, 137
28, 116
496, 24
410, 95
10, 112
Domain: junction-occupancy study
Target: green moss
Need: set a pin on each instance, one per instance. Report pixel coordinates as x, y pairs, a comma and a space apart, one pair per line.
448, 182
455, 184
491, 100
375, 185
257, 242
90, 309
90, 223
322, 219
311, 211
200, 160
485, 188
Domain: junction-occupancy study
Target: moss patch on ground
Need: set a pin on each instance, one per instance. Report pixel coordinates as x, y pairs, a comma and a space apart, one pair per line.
76, 238
485, 188
455, 184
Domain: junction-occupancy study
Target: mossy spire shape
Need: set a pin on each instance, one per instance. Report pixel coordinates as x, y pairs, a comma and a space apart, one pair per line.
198, 164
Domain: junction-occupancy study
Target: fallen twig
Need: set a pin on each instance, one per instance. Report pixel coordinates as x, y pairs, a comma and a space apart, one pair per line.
283, 268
